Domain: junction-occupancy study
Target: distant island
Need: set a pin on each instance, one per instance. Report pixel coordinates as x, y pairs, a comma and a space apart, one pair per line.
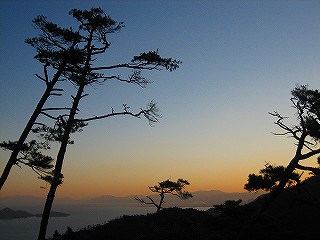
8, 213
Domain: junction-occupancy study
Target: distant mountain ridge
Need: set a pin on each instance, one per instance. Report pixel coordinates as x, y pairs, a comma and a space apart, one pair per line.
200, 199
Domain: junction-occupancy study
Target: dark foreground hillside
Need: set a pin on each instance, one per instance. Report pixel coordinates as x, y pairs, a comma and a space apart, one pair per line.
294, 215
171, 223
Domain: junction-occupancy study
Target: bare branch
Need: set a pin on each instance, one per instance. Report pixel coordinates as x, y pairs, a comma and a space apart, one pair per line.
110, 115
49, 116
84, 95
45, 71
292, 131
311, 169
310, 154
151, 113
153, 202
55, 94
54, 109
57, 89
40, 124
144, 202
41, 78
127, 65
46, 78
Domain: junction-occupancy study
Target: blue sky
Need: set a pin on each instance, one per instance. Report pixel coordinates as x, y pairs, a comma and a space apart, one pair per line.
240, 59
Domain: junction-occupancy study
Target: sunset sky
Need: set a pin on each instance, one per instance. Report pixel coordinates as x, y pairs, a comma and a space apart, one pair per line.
240, 60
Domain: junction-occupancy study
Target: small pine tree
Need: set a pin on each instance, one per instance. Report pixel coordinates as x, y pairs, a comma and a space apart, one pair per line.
167, 187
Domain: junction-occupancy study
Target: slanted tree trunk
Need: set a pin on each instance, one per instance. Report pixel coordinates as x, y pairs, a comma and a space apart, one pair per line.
97, 25
294, 163
246, 233
13, 157
159, 206
64, 143
58, 167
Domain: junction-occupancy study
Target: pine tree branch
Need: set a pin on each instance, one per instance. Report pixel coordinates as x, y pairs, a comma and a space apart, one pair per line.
311, 169
151, 114
49, 115
127, 65
309, 154
152, 202
55, 109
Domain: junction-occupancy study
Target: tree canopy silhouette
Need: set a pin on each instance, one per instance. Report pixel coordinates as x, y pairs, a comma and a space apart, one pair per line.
93, 28
268, 178
57, 51
167, 187
306, 133
30, 155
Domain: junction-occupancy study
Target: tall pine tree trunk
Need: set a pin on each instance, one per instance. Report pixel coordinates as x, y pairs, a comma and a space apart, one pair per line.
13, 157
58, 167
64, 142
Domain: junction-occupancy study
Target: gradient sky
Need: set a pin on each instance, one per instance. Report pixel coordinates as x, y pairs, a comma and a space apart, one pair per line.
240, 59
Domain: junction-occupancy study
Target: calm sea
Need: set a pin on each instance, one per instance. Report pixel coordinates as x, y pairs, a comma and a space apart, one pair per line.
27, 228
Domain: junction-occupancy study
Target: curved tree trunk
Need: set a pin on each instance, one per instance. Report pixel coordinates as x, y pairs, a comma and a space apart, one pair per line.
246, 232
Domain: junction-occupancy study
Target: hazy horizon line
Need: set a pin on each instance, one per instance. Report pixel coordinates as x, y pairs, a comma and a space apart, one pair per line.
118, 196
